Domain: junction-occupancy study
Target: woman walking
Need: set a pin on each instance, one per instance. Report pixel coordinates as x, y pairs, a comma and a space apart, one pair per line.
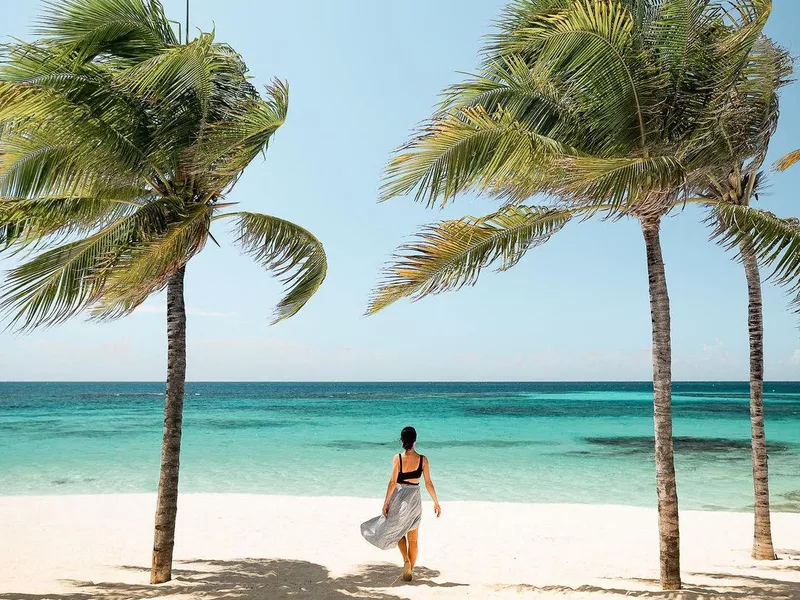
398, 523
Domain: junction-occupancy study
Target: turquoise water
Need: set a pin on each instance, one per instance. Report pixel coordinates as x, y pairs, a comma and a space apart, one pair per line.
533, 442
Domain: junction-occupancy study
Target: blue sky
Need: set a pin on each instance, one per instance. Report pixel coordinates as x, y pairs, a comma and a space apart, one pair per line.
362, 74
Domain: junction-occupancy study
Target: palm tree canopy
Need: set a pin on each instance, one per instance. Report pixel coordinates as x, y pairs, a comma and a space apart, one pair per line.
749, 125
117, 148
610, 106
775, 240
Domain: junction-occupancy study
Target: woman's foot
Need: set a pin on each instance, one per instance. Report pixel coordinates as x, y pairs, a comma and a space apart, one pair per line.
407, 571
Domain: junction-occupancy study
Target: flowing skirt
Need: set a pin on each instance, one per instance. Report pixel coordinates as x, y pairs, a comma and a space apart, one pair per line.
405, 514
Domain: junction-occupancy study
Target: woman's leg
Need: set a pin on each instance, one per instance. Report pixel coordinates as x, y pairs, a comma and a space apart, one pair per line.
413, 536
403, 549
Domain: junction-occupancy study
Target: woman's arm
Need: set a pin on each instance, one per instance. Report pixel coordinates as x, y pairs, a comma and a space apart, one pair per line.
426, 470
392, 485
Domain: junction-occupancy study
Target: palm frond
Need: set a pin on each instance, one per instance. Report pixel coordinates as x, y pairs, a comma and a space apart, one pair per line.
591, 45
452, 254
32, 167
468, 149
45, 220
532, 94
10, 232
769, 69
228, 146
776, 241
54, 131
146, 267
787, 161
42, 73
124, 28
59, 283
176, 73
623, 185
519, 14
38, 166
678, 29
727, 63
744, 129
746, 20
291, 252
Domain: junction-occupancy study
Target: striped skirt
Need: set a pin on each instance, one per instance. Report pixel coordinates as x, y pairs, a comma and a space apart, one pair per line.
405, 514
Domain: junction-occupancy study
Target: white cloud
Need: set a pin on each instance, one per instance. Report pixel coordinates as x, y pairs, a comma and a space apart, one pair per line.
715, 353
795, 360
554, 364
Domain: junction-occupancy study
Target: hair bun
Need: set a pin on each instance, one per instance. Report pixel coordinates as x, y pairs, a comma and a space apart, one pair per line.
408, 437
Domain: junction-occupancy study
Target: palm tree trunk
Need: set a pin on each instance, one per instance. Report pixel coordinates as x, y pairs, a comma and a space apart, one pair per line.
167, 506
762, 531
669, 538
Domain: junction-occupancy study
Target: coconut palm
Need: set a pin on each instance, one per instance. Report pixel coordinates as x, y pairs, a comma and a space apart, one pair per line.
611, 108
118, 146
751, 124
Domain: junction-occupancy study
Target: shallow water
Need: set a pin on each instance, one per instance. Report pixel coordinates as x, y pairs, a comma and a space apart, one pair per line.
532, 442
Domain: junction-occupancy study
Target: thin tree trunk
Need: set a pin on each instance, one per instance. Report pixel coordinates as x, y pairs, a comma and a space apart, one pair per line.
167, 507
762, 531
669, 537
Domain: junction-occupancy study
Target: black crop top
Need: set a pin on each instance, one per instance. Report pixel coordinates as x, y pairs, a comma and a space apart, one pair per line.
416, 474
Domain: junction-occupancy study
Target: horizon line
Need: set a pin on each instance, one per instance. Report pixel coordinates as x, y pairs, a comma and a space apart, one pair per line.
645, 381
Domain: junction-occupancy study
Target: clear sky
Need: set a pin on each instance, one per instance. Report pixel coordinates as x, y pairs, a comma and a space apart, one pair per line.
362, 74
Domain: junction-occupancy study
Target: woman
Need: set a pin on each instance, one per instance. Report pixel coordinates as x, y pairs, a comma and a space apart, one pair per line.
402, 509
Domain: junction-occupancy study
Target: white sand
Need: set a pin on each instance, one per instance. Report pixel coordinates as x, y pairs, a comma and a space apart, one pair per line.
272, 547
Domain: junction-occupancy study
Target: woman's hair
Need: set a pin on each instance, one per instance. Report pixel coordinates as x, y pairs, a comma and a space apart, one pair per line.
407, 437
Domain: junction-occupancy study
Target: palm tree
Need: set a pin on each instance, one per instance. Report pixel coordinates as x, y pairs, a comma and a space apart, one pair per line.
118, 147
611, 108
756, 117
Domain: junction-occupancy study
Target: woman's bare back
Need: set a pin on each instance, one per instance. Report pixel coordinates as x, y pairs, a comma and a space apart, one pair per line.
408, 462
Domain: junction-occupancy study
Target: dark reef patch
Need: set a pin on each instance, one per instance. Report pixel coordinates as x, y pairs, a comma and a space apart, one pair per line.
238, 424
709, 445
361, 445
357, 445
481, 444
789, 507
567, 407
88, 433
793, 496
564, 409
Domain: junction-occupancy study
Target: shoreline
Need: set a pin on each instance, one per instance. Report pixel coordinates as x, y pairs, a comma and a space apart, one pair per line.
278, 546
747, 511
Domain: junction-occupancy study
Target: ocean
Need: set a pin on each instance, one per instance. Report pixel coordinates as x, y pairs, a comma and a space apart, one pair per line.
518, 442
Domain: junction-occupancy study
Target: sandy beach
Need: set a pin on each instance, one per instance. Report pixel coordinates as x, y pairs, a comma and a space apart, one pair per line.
272, 547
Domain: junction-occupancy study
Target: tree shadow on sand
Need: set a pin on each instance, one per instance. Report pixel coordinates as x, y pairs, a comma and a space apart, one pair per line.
731, 587
251, 579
